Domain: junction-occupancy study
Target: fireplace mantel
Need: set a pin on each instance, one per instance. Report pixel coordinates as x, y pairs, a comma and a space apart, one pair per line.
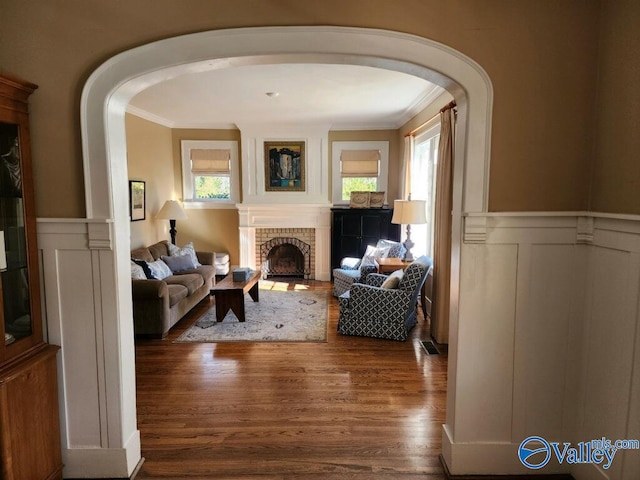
316, 216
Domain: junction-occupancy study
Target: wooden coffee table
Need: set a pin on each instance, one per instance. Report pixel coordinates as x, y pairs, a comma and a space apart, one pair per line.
229, 295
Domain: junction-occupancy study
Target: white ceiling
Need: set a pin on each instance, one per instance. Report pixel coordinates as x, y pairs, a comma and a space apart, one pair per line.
340, 96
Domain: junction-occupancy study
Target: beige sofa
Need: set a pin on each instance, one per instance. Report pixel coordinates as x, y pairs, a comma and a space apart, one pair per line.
160, 304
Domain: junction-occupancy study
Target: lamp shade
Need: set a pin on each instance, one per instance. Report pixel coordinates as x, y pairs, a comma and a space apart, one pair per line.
409, 212
171, 210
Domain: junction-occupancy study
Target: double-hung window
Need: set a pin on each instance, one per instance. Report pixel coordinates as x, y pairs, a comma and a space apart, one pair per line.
359, 167
210, 171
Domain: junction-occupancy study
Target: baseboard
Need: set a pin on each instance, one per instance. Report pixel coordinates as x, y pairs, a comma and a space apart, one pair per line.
554, 476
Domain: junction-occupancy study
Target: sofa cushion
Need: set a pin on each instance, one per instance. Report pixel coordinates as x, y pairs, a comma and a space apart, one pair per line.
179, 263
159, 270
142, 254
192, 281
188, 250
177, 293
159, 249
137, 272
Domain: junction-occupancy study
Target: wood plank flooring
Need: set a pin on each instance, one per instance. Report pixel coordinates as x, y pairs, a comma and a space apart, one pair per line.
351, 408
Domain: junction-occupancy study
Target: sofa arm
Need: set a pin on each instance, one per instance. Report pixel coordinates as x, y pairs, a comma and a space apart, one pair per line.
206, 258
148, 289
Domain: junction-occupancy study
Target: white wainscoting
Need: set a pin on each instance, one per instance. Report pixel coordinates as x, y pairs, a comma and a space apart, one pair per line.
96, 376
547, 340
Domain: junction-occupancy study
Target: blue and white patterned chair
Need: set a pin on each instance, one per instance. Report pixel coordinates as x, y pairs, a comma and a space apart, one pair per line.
353, 270
372, 311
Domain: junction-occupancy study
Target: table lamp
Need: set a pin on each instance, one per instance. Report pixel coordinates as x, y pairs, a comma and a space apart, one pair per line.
409, 212
172, 211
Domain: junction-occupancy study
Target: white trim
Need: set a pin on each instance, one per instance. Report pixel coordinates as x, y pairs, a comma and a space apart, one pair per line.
336, 151
187, 177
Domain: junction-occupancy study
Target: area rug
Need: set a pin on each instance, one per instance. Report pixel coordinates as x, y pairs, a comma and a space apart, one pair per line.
279, 316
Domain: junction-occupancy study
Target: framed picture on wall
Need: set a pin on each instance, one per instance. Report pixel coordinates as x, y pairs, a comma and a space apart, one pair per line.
284, 166
137, 200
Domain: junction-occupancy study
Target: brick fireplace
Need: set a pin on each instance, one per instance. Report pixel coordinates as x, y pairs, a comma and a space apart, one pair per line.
306, 228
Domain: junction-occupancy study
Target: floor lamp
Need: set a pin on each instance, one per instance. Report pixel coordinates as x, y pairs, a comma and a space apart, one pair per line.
409, 212
172, 211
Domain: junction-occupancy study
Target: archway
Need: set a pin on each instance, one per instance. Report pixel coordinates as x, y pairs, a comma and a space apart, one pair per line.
110, 88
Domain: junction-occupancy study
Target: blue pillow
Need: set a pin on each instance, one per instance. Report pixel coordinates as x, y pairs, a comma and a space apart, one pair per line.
179, 263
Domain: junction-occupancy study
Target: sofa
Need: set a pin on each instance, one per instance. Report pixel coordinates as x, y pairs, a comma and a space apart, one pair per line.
161, 300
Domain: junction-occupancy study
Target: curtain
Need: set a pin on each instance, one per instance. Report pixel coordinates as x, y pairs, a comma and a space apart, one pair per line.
405, 181
442, 226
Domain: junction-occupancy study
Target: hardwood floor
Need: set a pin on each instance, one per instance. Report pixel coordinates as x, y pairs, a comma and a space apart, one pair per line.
351, 408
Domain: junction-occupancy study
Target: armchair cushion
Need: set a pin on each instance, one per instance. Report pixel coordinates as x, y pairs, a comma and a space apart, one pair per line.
393, 280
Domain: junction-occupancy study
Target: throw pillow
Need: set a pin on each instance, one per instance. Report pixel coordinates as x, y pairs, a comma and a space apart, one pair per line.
159, 270
372, 253
179, 263
393, 280
144, 265
188, 250
137, 272
396, 249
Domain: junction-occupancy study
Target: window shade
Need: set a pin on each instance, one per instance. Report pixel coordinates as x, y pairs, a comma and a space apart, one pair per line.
360, 163
210, 161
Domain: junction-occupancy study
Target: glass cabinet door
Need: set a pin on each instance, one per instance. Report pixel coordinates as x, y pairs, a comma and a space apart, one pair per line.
13, 249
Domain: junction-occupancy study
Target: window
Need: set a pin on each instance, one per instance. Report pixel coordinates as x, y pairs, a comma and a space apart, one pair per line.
423, 186
210, 171
359, 170
359, 166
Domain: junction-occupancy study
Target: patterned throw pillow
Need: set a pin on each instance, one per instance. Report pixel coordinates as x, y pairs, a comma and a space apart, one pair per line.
188, 249
396, 249
179, 263
137, 272
372, 253
393, 280
159, 270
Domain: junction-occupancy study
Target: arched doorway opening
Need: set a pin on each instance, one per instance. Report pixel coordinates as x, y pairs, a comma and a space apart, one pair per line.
110, 88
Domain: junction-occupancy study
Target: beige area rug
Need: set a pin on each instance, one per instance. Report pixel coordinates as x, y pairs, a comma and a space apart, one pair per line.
280, 316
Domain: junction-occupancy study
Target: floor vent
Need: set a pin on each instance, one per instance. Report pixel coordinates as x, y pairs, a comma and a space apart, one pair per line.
429, 347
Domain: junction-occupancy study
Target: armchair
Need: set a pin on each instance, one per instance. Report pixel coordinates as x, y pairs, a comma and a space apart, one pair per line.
355, 270
372, 311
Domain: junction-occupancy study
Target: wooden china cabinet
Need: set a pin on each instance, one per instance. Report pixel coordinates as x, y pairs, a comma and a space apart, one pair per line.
29, 421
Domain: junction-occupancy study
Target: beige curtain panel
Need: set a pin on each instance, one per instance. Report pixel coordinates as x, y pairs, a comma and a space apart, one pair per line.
210, 161
360, 163
442, 226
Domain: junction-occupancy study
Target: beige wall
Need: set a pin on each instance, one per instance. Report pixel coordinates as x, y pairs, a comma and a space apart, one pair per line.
149, 158
209, 229
541, 57
616, 178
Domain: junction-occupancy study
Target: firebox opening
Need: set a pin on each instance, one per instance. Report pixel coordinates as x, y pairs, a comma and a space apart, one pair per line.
285, 257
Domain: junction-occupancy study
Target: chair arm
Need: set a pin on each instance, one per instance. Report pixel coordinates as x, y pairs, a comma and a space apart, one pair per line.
350, 263
376, 279
206, 258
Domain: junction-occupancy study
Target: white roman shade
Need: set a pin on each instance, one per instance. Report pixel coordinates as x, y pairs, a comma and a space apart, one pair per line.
360, 163
209, 161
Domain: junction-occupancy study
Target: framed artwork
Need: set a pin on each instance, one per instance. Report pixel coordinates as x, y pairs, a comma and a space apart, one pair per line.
284, 167
137, 200
376, 199
359, 199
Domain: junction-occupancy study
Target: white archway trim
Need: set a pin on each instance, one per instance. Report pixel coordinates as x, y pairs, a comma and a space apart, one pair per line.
110, 88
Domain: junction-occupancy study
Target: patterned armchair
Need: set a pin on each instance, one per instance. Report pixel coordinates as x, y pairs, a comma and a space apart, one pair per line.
371, 311
355, 270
